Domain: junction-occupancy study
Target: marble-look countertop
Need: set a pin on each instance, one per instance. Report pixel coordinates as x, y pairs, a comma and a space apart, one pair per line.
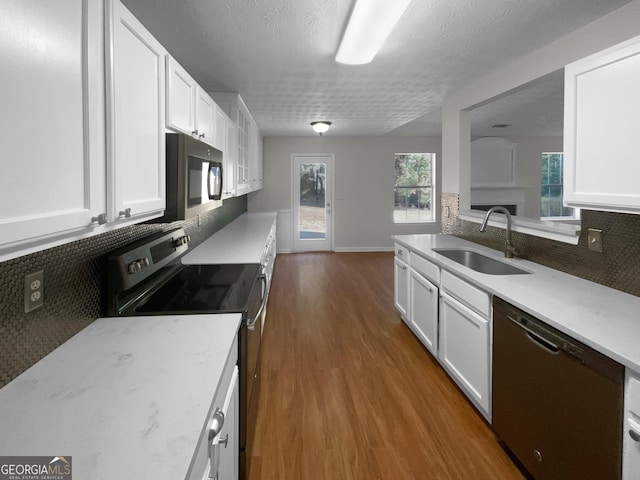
125, 397
605, 319
242, 241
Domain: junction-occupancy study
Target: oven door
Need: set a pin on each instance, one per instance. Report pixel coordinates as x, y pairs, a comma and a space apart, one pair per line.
250, 333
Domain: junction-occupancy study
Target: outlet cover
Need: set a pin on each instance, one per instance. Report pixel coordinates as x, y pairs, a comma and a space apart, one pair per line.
595, 240
33, 291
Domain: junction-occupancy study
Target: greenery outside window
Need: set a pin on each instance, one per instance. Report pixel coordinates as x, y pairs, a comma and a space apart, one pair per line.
414, 188
552, 188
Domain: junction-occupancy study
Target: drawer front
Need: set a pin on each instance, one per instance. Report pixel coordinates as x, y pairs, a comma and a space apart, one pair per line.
402, 253
468, 294
426, 268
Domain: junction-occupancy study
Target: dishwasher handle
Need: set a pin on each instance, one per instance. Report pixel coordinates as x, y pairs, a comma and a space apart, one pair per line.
548, 340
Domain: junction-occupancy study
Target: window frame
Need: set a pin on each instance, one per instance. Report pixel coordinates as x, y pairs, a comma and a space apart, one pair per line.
575, 212
431, 186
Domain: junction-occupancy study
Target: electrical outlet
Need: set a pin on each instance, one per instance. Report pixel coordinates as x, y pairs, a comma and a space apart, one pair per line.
33, 291
595, 240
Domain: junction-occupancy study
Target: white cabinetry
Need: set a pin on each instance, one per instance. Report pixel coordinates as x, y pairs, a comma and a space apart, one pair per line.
631, 427
190, 109
229, 155
248, 142
423, 295
135, 119
52, 122
218, 451
602, 99
401, 281
465, 338
181, 92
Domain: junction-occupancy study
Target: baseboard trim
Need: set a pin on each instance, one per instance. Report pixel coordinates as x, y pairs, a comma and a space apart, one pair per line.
363, 249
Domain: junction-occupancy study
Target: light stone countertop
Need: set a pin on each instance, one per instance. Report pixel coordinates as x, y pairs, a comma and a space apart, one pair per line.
242, 241
125, 397
603, 318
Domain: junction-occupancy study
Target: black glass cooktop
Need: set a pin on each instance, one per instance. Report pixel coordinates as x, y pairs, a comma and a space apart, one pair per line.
205, 288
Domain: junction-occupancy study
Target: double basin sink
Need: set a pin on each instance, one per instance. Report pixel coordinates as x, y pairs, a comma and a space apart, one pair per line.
478, 262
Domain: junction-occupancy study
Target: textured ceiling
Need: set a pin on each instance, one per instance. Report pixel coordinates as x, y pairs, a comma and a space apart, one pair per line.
279, 55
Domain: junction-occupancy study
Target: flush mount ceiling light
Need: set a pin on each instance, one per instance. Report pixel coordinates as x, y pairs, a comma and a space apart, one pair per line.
370, 24
320, 126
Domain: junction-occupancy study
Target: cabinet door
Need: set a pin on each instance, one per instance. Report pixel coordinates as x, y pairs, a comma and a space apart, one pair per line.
52, 122
229, 158
136, 120
424, 310
401, 288
255, 158
602, 98
181, 97
219, 129
204, 116
464, 350
227, 442
243, 132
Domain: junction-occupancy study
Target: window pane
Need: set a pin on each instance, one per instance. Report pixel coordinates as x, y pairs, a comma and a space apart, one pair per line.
313, 214
413, 187
551, 187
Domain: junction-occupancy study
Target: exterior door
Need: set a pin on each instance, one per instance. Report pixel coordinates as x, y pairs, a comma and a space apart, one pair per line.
312, 202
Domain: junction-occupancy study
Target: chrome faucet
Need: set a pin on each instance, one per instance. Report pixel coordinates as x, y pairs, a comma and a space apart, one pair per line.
509, 250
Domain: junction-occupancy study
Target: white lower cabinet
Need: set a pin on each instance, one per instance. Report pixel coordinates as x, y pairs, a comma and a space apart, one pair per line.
423, 311
401, 287
218, 453
631, 428
464, 350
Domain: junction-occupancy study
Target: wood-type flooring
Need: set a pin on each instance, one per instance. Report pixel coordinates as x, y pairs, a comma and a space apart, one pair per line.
348, 392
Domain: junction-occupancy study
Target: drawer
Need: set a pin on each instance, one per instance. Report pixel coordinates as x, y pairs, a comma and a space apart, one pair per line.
633, 394
426, 268
470, 295
402, 253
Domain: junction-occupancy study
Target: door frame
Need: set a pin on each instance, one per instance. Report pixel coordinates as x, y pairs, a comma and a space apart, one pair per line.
330, 160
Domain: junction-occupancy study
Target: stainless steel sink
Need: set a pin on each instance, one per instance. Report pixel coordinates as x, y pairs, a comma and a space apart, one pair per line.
478, 262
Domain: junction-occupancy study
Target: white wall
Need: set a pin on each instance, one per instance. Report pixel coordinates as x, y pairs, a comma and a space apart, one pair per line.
607, 31
363, 188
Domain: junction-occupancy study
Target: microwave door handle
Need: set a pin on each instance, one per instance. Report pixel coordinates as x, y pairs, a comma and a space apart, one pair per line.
210, 177
209, 183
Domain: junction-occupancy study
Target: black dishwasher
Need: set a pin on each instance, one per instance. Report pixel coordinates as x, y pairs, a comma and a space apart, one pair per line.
557, 404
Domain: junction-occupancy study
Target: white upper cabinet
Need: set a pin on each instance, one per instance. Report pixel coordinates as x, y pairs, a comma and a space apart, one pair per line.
135, 119
190, 109
602, 100
181, 94
219, 128
248, 141
52, 123
229, 159
204, 116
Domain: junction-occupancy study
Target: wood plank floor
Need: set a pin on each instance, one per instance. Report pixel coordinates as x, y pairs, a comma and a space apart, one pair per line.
349, 393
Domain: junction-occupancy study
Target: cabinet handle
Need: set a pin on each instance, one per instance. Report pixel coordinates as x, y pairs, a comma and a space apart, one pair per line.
224, 441
635, 436
400, 252
201, 135
195, 132
101, 219
126, 213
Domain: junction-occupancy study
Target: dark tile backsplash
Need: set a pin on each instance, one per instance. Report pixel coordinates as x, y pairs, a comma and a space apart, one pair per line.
74, 282
618, 266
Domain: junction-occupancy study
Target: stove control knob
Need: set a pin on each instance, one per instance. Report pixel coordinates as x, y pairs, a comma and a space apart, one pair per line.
145, 262
133, 267
178, 242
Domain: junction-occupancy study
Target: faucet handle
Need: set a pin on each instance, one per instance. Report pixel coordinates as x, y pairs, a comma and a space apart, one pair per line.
510, 250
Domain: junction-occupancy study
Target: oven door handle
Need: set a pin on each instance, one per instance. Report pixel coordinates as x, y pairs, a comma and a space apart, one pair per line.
252, 324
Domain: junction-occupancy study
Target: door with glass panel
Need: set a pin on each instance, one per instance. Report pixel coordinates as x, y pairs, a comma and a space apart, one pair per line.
312, 202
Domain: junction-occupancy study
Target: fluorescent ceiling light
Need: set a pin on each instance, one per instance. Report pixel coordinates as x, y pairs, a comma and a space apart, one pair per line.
370, 24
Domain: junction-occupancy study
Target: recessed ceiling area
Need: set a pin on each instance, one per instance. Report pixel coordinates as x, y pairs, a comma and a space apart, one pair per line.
279, 55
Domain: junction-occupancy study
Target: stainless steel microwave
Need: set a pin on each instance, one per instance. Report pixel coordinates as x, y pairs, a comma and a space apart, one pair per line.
194, 177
